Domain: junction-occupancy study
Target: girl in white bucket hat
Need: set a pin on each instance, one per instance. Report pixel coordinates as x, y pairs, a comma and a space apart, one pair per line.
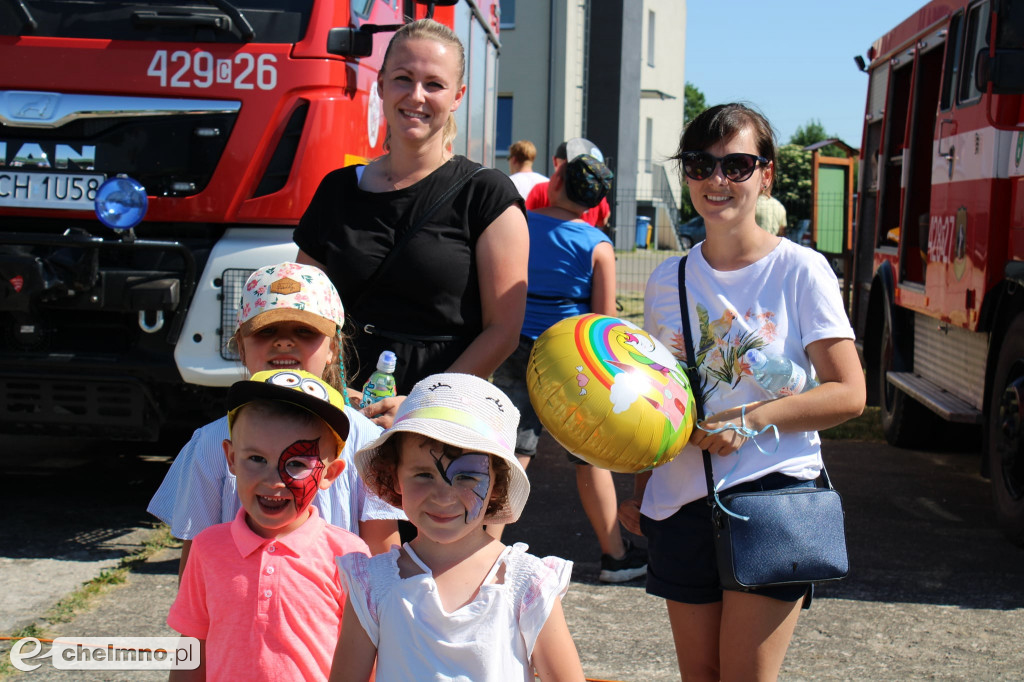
454, 598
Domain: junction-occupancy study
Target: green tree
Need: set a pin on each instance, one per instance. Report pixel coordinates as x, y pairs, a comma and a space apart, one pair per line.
793, 181
693, 102
813, 131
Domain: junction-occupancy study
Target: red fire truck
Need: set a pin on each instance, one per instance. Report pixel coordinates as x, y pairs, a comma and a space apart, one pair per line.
938, 291
228, 113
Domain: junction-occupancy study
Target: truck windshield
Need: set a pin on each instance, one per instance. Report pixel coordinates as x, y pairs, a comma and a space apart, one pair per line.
216, 21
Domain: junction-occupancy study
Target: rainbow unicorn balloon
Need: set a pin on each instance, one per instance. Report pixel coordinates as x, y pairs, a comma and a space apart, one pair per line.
610, 393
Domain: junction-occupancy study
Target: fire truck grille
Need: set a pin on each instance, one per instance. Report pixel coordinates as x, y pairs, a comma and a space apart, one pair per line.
232, 280
51, 406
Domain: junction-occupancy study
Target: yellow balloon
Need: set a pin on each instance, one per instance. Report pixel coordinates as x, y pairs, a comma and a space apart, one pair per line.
610, 393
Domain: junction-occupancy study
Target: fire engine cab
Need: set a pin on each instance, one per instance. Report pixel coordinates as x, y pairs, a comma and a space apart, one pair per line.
217, 119
938, 249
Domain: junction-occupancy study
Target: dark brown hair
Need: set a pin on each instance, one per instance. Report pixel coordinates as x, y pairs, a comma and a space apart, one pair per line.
722, 122
381, 475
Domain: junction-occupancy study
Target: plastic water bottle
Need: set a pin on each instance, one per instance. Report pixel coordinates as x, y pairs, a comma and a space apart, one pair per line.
381, 383
778, 374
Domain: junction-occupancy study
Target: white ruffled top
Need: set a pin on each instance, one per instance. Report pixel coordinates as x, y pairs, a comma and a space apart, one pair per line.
490, 638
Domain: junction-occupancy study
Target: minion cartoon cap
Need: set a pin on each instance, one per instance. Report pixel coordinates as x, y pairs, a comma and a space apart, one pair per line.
295, 386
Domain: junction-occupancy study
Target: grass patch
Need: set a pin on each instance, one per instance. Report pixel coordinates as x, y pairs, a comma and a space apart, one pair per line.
867, 427
66, 609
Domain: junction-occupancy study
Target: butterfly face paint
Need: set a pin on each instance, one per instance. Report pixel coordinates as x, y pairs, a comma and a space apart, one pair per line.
301, 469
470, 475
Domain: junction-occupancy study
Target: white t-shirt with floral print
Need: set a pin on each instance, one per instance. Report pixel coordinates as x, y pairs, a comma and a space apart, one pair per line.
780, 304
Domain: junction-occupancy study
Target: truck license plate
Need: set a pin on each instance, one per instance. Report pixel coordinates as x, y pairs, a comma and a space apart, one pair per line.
67, 191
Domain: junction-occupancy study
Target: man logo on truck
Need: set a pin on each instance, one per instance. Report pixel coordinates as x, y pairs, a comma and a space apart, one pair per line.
44, 155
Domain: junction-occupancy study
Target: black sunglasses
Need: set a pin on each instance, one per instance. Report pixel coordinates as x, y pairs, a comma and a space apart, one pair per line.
735, 167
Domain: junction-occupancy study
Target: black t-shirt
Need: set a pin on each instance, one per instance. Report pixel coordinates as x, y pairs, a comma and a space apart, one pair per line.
431, 290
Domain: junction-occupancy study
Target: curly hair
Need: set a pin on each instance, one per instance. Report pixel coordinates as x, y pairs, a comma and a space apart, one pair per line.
381, 474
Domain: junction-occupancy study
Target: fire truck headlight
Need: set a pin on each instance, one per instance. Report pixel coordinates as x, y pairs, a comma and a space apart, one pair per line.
121, 203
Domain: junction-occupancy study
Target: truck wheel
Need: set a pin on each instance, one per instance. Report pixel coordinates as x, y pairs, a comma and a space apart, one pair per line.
1006, 434
905, 422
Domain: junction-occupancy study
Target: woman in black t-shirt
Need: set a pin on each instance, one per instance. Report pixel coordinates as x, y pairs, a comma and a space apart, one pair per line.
451, 236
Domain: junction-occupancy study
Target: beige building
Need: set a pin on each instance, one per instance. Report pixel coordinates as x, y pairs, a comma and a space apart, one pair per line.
611, 71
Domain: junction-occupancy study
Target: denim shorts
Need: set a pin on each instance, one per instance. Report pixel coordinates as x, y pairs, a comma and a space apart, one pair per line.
681, 561
510, 377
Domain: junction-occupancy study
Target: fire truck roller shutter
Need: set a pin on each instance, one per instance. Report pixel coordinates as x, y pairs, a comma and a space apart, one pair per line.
905, 422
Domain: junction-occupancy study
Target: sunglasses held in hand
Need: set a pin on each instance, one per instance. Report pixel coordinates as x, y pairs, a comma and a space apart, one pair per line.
735, 167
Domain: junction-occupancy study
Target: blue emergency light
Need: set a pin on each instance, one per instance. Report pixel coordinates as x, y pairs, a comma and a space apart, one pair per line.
121, 203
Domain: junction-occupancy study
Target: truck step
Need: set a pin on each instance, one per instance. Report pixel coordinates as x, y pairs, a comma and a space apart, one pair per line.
940, 401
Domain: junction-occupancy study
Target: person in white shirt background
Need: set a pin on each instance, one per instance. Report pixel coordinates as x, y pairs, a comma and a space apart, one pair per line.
521, 156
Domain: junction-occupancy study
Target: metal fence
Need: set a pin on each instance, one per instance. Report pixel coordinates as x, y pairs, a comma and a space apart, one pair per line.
639, 248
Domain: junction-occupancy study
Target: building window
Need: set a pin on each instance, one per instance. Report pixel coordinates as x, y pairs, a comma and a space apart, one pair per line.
508, 14
650, 38
649, 145
503, 133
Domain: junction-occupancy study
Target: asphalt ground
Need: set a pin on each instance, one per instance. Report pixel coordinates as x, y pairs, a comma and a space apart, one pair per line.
934, 591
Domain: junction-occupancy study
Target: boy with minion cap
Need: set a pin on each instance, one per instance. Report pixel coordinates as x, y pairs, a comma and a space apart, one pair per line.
275, 562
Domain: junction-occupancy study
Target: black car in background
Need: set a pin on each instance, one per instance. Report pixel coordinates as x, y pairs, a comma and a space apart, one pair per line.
690, 232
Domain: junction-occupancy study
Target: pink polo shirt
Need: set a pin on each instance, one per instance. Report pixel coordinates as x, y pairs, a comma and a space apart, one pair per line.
269, 609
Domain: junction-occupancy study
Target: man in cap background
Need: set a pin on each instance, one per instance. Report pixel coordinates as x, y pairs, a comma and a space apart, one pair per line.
571, 272
597, 215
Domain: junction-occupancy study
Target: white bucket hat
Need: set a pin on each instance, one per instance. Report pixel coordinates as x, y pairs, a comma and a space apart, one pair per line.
469, 413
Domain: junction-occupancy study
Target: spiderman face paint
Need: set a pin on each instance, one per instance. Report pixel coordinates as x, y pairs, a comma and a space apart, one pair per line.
301, 469
278, 470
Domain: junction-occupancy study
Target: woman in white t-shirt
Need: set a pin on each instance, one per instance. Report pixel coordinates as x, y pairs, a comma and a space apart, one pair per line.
745, 289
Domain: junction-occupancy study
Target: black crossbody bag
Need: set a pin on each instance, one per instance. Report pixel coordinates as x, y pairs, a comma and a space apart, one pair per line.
772, 537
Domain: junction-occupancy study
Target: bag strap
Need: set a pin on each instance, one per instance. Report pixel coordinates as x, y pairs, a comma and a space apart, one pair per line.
694, 375
402, 241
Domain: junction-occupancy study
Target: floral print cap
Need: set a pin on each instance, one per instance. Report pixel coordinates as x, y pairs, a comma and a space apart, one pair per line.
290, 292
